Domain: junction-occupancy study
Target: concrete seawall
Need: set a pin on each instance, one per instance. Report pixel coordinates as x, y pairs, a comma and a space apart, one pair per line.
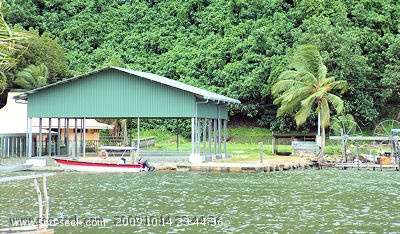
212, 167
242, 167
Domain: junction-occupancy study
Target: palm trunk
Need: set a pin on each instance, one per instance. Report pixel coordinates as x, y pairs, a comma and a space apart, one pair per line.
321, 154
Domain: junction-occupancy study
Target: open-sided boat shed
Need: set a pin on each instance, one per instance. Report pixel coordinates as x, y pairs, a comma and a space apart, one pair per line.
114, 92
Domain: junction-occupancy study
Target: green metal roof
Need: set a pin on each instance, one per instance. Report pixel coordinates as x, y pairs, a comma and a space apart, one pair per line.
114, 92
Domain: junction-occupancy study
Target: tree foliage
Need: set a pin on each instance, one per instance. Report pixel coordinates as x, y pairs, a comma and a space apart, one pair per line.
42, 49
236, 48
32, 77
8, 46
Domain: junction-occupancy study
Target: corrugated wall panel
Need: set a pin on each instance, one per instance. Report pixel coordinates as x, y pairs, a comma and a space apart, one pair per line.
210, 110
111, 94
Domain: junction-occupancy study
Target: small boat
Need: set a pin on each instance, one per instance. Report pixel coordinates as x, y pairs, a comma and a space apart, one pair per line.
368, 157
20, 167
72, 164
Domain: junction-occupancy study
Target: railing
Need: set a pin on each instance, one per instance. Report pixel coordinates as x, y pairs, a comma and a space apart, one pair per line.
120, 141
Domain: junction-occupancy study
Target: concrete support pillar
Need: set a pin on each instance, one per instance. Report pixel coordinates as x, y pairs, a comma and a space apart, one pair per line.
40, 137
58, 137
225, 138
215, 136
204, 136
84, 137
209, 136
76, 137
30, 138
49, 139
68, 151
193, 135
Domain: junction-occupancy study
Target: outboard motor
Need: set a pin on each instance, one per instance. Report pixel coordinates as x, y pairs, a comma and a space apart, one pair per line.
146, 164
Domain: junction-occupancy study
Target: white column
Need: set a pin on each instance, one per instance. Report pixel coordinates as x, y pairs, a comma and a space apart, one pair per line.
215, 136
84, 137
198, 123
40, 137
219, 131
192, 135
209, 135
29, 138
225, 127
138, 137
195, 155
219, 137
58, 137
204, 136
49, 139
67, 136
76, 137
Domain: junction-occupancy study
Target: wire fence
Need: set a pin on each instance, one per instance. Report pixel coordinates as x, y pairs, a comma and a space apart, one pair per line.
16, 146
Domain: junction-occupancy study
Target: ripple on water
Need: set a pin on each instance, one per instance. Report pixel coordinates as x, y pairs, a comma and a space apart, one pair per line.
329, 201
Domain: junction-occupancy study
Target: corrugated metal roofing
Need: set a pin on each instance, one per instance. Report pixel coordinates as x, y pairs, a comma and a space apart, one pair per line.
153, 77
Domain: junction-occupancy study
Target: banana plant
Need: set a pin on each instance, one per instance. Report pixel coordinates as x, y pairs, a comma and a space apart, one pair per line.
7, 48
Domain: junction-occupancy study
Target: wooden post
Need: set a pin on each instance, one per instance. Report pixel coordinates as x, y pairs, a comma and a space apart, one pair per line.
358, 158
40, 200
42, 227
46, 199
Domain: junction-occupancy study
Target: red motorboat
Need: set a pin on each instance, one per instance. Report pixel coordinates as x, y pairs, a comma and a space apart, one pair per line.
76, 165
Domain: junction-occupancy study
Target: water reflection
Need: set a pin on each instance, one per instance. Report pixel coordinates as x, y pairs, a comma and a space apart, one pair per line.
328, 201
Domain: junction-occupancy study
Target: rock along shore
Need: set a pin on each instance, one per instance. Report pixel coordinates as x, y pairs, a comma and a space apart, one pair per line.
243, 167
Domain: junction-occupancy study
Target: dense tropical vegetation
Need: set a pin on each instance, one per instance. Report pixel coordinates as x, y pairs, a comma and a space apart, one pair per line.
234, 47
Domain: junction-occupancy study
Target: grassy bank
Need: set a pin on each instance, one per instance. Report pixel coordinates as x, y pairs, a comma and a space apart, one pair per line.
244, 144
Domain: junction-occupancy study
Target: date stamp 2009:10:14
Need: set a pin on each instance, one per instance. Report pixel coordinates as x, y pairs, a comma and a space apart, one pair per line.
167, 220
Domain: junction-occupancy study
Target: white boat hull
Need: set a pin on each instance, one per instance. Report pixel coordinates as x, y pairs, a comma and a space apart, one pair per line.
74, 165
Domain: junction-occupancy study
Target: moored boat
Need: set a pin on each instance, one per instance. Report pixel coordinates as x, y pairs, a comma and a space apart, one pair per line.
71, 164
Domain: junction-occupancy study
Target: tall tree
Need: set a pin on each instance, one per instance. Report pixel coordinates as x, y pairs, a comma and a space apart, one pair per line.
42, 49
306, 86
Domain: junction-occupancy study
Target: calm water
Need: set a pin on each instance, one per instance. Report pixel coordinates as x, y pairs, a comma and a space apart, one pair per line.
303, 201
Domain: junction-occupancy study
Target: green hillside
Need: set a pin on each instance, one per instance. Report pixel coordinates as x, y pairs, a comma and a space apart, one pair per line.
235, 47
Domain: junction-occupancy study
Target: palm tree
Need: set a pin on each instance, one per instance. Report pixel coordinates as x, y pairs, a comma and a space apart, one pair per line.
32, 77
306, 86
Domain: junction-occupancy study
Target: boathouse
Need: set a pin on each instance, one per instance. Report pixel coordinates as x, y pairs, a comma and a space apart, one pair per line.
13, 130
119, 93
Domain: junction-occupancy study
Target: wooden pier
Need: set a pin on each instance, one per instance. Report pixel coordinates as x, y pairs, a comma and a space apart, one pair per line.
367, 166
242, 167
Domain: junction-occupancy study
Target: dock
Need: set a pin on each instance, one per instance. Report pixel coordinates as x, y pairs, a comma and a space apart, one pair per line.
241, 167
367, 166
